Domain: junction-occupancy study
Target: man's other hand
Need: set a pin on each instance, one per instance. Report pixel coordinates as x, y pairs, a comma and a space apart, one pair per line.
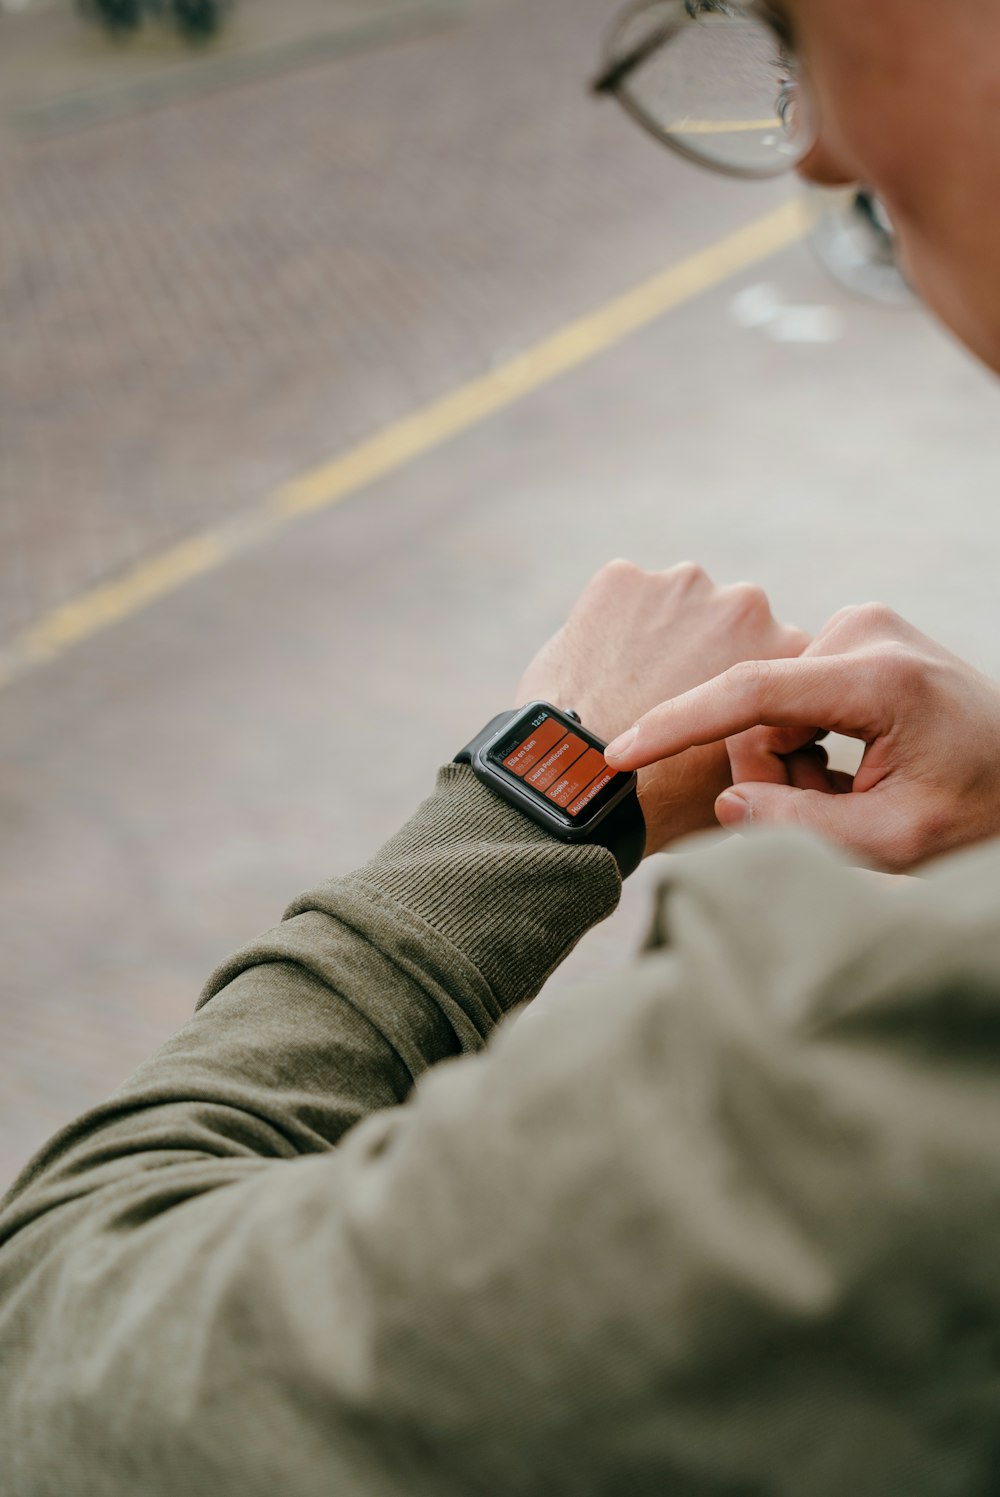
635, 637
929, 780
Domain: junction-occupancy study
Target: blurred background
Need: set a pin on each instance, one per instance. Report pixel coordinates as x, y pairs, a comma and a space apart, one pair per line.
304, 450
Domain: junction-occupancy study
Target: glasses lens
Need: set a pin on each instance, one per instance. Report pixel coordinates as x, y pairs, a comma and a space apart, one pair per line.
714, 79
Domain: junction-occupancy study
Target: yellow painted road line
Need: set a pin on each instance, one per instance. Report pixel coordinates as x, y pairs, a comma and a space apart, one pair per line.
565, 350
721, 127
400, 443
113, 601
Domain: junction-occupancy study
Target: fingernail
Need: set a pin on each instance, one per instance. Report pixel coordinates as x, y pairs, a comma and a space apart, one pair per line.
619, 745
731, 809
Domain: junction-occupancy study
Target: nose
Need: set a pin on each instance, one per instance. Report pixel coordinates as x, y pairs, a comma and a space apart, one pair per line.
817, 163
821, 166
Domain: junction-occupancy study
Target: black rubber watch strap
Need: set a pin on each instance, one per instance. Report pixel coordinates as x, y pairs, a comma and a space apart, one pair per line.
623, 832
465, 756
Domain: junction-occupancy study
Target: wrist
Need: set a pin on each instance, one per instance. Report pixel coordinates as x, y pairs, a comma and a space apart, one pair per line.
551, 769
678, 795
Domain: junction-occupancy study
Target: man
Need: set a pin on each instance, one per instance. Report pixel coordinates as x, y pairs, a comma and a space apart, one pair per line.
881, 95
727, 1225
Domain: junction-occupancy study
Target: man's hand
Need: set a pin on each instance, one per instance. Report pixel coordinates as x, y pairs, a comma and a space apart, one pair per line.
930, 777
635, 637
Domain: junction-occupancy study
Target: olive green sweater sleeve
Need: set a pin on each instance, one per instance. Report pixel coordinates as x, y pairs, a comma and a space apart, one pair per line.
725, 1224
369, 981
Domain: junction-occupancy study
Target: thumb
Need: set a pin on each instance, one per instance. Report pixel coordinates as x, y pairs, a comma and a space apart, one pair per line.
840, 818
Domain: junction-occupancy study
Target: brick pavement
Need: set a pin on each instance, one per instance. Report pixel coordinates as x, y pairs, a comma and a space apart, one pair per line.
59, 70
198, 302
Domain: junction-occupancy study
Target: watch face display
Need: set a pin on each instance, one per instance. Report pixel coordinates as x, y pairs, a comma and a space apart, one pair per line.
560, 762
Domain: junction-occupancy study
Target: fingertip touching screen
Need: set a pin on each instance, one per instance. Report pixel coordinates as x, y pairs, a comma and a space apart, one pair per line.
560, 762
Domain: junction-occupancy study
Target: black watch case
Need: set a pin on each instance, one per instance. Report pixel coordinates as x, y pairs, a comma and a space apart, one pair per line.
552, 769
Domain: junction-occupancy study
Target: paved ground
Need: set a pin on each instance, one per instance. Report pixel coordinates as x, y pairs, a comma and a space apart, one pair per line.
199, 302
59, 71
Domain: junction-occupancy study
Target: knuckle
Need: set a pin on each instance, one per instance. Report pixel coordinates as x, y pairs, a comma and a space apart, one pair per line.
750, 678
904, 669
688, 573
911, 834
619, 567
879, 617
841, 617
748, 600
747, 751
612, 576
905, 849
936, 827
804, 810
862, 620
922, 835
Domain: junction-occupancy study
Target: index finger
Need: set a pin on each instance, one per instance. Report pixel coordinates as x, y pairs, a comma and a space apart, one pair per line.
835, 693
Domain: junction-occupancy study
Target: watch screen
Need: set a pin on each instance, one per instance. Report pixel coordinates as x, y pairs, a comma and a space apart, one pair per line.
561, 762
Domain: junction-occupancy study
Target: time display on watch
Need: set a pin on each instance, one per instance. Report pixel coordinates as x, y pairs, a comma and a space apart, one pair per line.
560, 762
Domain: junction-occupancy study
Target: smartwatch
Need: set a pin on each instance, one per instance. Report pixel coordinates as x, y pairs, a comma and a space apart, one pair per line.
542, 761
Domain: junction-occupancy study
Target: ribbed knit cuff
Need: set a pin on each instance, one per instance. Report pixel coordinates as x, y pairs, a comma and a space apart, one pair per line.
510, 897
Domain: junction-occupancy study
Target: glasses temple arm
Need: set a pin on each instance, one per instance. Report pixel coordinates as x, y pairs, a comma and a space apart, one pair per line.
617, 72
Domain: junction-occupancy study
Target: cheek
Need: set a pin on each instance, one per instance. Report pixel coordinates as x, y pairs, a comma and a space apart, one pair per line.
932, 153
947, 218
877, 97
956, 284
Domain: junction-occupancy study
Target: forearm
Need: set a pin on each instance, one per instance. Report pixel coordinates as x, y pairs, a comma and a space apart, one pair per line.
369, 980
335, 1014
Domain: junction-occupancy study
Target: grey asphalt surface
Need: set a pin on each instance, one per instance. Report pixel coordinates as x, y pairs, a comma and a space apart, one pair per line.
205, 300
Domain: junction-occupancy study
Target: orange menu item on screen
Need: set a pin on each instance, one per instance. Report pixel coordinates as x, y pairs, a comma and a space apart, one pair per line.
593, 789
577, 778
528, 753
562, 765
556, 761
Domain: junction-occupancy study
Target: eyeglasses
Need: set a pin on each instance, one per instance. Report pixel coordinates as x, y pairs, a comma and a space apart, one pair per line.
711, 80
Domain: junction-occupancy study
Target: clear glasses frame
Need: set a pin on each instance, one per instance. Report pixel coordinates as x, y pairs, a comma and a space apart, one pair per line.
622, 62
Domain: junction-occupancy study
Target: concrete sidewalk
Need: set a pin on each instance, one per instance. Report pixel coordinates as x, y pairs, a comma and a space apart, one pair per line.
59, 71
200, 301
